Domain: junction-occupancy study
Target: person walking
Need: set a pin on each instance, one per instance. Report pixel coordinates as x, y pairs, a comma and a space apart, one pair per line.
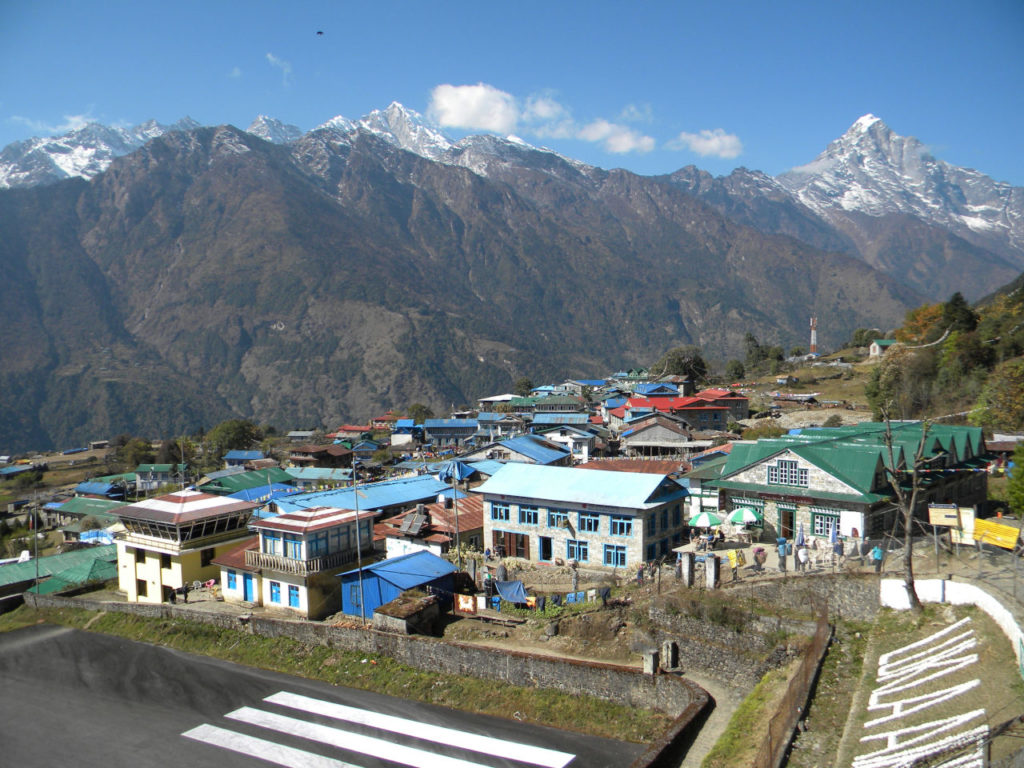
783, 546
876, 557
802, 556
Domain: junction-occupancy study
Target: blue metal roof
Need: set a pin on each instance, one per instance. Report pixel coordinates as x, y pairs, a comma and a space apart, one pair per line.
243, 455
409, 571
614, 402
591, 382
389, 493
265, 492
95, 488
560, 418
649, 387
536, 448
568, 485
319, 473
487, 466
450, 424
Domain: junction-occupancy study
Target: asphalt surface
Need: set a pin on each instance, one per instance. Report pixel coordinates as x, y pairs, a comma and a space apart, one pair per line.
75, 698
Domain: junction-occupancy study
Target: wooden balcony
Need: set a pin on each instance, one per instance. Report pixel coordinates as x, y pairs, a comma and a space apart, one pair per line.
282, 564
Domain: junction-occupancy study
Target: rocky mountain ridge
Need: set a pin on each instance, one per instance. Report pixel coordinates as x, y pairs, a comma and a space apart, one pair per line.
213, 274
871, 193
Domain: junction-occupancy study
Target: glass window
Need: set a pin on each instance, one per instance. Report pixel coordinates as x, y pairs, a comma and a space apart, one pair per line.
206, 556
620, 525
577, 550
823, 522
528, 515
615, 555
499, 512
271, 543
232, 580
677, 516
275, 592
557, 518
318, 544
652, 524
293, 546
293, 596
785, 472
589, 523
664, 519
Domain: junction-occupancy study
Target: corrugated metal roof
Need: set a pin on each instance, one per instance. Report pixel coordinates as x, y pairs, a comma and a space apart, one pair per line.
389, 493
81, 505
536, 448
320, 473
561, 418
409, 571
243, 455
569, 485
15, 573
182, 507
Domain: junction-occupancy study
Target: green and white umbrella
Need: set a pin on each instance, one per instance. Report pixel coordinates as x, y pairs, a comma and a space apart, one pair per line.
705, 520
745, 516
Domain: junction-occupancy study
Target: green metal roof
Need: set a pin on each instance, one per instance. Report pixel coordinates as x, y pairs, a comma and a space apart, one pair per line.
855, 453
82, 505
69, 562
243, 481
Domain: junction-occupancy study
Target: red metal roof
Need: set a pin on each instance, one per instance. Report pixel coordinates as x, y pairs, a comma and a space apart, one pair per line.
302, 521
184, 507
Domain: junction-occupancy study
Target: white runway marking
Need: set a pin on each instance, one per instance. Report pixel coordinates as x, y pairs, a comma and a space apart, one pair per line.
354, 742
264, 750
548, 758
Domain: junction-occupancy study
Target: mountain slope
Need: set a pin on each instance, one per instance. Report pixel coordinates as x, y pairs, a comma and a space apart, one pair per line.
216, 274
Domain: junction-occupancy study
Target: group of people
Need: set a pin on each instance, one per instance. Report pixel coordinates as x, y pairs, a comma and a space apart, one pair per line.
802, 557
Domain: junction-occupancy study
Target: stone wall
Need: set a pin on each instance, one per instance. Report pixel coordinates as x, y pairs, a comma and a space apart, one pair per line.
850, 596
737, 653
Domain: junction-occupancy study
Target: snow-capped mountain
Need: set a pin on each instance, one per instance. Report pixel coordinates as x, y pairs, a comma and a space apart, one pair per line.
273, 130
873, 171
84, 152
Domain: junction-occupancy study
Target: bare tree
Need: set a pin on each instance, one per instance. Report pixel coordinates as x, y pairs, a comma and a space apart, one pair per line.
907, 503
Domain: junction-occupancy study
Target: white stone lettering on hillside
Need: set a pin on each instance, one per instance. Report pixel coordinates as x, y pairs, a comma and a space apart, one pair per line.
915, 666
917, 703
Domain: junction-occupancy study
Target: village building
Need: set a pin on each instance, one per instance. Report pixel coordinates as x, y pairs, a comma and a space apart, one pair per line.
238, 458
448, 433
595, 518
878, 347
435, 527
825, 479
295, 560
170, 541
527, 449
327, 455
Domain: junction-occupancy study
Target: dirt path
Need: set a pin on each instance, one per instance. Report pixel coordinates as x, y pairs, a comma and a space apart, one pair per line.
726, 702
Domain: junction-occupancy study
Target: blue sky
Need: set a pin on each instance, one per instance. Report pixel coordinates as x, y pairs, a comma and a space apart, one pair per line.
648, 86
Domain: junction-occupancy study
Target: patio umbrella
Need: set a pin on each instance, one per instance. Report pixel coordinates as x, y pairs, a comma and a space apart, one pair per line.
705, 520
800, 535
745, 516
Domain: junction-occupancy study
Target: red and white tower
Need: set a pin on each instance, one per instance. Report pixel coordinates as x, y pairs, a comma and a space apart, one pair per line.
814, 336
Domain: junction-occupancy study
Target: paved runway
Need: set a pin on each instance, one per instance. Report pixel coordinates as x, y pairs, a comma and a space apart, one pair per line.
77, 698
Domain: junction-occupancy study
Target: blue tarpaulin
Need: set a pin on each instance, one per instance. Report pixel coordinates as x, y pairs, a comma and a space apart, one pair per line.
511, 591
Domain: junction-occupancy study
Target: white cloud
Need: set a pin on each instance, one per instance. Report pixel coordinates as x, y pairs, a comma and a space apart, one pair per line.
484, 107
236, 72
71, 123
616, 138
716, 142
474, 107
549, 118
637, 113
284, 66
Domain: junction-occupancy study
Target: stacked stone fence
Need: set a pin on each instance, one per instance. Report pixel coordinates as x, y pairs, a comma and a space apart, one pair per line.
852, 596
687, 702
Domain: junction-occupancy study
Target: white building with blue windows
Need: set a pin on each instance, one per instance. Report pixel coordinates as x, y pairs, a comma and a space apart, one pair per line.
597, 518
300, 554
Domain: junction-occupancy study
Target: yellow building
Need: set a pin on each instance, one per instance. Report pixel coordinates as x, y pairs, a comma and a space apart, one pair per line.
171, 540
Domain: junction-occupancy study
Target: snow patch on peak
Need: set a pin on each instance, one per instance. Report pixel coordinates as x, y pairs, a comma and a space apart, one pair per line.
407, 130
864, 123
